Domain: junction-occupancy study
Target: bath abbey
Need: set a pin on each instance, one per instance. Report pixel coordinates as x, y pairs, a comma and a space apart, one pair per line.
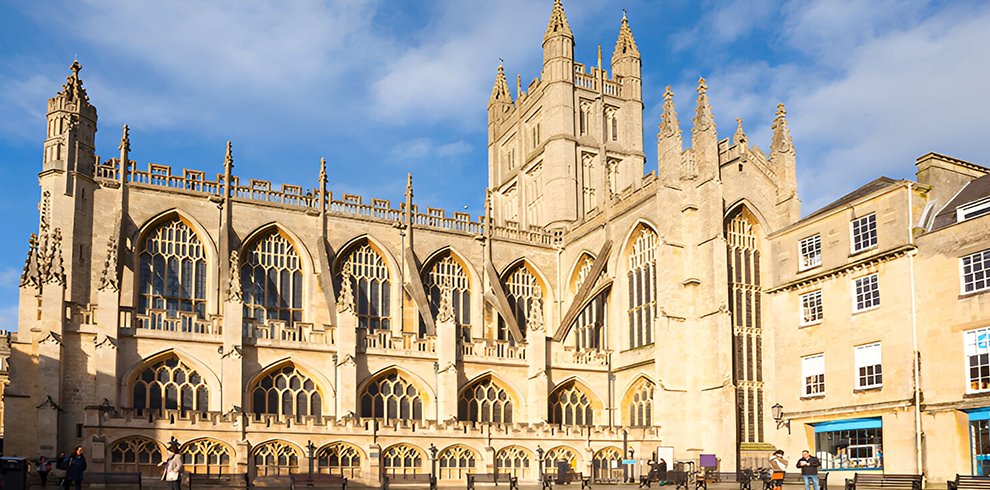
603, 311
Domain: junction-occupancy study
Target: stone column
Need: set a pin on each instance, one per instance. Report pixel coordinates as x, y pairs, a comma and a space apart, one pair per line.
107, 316
347, 349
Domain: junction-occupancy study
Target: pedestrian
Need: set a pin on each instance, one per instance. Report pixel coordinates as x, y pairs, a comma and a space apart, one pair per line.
172, 475
779, 465
809, 470
44, 467
59, 470
662, 473
75, 466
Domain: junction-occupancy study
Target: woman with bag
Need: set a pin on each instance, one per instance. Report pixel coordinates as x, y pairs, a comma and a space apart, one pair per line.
778, 464
172, 476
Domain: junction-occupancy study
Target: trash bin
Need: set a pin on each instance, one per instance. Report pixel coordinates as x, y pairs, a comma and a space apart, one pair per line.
562, 468
14, 473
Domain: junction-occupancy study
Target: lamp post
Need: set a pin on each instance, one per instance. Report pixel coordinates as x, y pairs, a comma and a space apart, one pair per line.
632, 471
539, 461
433, 461
312, 454
436, 398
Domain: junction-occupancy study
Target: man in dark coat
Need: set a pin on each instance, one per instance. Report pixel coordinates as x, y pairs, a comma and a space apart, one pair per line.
809, 470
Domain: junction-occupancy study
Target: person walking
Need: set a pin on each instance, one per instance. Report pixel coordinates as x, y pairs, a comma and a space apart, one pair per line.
172, 475
44, 466
59, 470
809, 470
778, 465
75, 466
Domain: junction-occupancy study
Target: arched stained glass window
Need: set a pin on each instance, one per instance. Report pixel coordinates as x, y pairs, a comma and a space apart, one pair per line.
286, 392
170, 384
569, 405
513, 460
136, 455
449, 269
370, 283
171, 274
272, 280
339, 458
523, 289
276, 458
403, 459
485, 401
391, 396
640, 403
642, 287
455, 462
206, 456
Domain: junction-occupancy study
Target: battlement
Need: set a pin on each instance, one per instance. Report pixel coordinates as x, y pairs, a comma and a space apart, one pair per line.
297, 197
589, 79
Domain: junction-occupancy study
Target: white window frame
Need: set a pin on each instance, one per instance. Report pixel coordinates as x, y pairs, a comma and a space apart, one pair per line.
979, 207
852, 233
974, 346
813, 365
982, 275
855, 292
804, 263
866, 356
805, 299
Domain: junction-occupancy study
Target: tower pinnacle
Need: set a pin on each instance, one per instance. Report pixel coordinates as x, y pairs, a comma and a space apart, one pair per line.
669, 125
625, 45
558, 25
781, 142
739, 137
500, 91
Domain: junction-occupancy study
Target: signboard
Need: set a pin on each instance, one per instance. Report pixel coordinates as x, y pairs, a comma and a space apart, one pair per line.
628, 461
666, 453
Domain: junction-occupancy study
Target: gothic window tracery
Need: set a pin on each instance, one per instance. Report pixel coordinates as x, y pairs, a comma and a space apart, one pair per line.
449, 269
370, 283
402, 459
170, 384
206, 456
559, 453
276, 458
570, 405
286, 392
136, 455
640, 403
588, 179
171, 274
642, 288
607, 465
485, 401
391, 396
272, 280
339, 458
523, 289
455, 462
588, 332
514, 460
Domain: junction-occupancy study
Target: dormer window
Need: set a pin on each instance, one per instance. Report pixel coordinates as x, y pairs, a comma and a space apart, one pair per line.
973, 210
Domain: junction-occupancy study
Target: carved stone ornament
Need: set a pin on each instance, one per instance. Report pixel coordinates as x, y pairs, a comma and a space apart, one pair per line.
31, 275
56, 269
445, 312
345, 300
107, 341
690, 165
669, 125
52, 338
703, 120
108, 280
781, 142
535, 318
348, 360
49, 403
234, 292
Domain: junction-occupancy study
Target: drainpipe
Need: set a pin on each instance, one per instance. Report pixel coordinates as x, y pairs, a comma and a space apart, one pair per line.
914, 333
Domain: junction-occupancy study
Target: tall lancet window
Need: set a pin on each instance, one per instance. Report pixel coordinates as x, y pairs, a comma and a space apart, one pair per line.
449, 270
172, 273
742, 233
370, 283
642, 287
272, 280
523, 290
588, 179
588, 332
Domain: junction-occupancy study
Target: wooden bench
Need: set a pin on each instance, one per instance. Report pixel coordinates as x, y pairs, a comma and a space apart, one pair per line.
495, 478
869, 481
198, 480
322, 480
416, 479
132, 480
969, 482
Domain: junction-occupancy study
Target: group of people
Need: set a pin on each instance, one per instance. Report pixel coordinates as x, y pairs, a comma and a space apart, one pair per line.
808, 465
69, 470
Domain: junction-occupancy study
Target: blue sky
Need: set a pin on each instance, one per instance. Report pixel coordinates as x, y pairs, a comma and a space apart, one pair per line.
385, 87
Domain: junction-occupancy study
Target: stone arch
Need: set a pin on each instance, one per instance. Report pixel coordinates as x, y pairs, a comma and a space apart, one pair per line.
567, 406
523, 305
298, 244
201, 295
488, 399
574, 274
125, 382
275, 457
375, 285
208, 455
350, 245
473, 275
602, 469
533, 269
637, 402
288, 384
454, 462
517, 461
297, 282
639, 262
404, 459
136, 454
377, 397
743, 203
340, 458
462, 290
558, 453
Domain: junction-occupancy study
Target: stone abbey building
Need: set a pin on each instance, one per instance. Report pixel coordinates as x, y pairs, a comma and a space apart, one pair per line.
598, 311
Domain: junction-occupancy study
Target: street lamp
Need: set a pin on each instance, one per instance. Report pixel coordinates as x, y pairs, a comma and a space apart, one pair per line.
436, 399
312, 454
433, 461
632, 472
778, 416
539, 459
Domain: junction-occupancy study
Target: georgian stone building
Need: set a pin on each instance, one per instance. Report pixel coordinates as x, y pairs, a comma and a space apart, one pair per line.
596, 312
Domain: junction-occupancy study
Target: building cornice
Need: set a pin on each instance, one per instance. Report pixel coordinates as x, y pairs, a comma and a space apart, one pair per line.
845, 269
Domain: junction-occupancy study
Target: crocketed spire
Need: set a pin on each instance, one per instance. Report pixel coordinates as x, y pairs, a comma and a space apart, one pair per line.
739, 137
781, 142
73, 88
625, 45
703, 119
500, 92
669, 125
558, 25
